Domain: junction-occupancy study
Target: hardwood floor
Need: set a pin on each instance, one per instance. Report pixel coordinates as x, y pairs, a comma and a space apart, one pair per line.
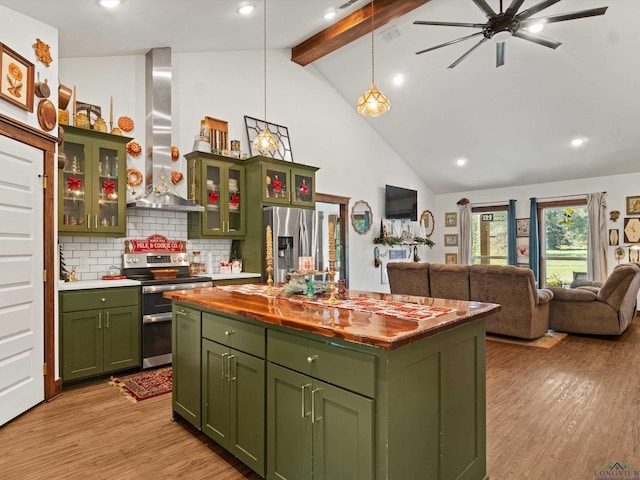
557, 414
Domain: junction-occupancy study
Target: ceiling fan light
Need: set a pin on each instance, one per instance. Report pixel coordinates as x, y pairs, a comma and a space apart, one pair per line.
536, 27
373, 103
501, 36
265, 142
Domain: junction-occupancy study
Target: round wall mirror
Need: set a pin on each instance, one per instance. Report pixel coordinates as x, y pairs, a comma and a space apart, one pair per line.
427, 222
361, 217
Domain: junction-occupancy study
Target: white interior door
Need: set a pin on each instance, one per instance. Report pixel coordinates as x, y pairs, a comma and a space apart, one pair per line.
21, 283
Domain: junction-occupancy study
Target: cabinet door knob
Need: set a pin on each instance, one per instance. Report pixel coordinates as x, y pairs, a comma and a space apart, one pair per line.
229, 332
103, 299
311, 359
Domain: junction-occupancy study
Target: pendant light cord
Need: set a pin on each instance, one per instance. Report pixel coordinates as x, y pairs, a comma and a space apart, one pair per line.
372, 55
265, 62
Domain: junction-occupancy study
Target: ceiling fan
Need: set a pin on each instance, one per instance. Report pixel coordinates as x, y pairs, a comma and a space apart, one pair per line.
507, 23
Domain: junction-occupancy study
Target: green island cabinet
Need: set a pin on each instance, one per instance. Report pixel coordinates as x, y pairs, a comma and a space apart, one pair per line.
100, 331
272, 182
93, 184
334, 409
218, 184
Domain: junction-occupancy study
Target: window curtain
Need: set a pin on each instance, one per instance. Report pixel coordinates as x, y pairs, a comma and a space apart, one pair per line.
597, 240
534, 240
512, 254
464, 250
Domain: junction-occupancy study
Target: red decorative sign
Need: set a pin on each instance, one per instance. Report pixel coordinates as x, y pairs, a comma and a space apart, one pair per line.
155, 243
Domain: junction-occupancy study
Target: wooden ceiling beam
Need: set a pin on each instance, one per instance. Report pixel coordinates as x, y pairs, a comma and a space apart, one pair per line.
351, 28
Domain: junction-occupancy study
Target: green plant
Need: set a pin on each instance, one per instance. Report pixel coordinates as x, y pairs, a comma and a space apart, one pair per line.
391, 241
554, 280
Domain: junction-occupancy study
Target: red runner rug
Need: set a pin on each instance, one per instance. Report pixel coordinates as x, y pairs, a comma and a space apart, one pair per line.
145, 385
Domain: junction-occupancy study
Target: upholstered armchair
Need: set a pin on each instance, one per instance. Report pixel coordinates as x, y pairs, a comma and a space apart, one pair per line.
597, 308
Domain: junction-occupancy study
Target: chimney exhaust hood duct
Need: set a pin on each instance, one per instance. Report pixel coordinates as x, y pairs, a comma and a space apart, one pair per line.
158, 194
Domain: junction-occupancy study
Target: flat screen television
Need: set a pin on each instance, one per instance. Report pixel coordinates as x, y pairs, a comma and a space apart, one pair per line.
401, 203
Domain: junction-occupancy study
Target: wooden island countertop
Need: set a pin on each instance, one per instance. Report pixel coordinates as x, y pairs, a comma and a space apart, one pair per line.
364, 326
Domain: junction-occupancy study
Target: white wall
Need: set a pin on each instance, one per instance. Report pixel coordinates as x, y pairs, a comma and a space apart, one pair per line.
618, 187
324, 129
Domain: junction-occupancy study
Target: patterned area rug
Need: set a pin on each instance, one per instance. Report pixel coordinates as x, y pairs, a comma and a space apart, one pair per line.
145, 385
548, 340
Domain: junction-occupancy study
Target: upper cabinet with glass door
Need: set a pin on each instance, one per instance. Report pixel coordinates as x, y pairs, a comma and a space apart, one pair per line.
217, 183
283, 183
92, 185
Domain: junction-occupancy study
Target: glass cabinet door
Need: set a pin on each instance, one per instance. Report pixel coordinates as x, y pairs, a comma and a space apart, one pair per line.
234, 194
276, 184
108, 193
304, 192
74, 212
213, 198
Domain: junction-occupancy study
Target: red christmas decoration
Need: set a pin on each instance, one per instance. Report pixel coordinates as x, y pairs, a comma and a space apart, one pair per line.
235, 200
213, 197
277, 184
109, 187
304, 188
74, 184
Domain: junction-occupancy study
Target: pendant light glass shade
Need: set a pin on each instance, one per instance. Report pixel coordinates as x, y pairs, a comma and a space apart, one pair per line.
265, 142
373, 102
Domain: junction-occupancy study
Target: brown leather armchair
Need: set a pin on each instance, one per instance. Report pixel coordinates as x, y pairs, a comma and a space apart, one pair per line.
597, 308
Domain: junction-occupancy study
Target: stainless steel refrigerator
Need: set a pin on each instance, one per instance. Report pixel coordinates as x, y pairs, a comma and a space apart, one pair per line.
296, 233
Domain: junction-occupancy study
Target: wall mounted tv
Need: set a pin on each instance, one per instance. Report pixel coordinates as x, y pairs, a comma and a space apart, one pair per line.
401, 203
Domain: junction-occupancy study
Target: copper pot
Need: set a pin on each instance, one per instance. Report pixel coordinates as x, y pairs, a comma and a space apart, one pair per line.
64, 95
42, 89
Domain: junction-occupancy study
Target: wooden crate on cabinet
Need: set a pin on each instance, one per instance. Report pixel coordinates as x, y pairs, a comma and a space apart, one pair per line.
218, 184
92, 186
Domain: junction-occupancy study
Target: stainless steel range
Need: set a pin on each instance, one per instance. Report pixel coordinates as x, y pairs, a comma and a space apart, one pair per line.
139, 264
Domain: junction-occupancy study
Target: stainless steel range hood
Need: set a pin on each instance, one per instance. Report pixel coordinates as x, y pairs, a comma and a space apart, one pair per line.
158, 192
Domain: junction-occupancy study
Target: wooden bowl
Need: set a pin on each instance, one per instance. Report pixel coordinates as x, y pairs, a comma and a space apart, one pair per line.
164, 273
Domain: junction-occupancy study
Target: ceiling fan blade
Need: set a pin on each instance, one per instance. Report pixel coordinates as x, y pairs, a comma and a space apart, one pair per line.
593, 12
449, 43
449, 24
468, 52
499, 54
535, 9
539, 39
486, 9
513, 8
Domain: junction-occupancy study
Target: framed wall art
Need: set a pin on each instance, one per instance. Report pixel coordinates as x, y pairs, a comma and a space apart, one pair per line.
633, 205
451, 258
427, 222
451, 240
522, 227
522, 247
16, 78
254, 126
614, 236
631, 230
451, 219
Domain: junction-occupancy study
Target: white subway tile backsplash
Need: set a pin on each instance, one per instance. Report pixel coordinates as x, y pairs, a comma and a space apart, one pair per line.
101, 252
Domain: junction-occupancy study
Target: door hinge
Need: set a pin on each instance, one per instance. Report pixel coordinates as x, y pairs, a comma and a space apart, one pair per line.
44, 181
44, 369
44, 275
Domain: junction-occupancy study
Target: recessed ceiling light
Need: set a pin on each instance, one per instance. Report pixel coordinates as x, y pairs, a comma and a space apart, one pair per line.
578, 141
246, 9
398, 79
536, 27
109, 3
461, 162
329, 15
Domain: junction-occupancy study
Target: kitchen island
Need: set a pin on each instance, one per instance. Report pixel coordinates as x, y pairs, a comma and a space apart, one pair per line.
377, 386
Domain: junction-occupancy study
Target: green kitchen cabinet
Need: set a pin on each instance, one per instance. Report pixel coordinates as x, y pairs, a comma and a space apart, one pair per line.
100, 331
233, 406
93, 184
218, 184
316, 430
281, 182
186, 333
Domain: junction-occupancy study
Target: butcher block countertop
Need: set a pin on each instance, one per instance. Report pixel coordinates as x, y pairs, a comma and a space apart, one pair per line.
382, 320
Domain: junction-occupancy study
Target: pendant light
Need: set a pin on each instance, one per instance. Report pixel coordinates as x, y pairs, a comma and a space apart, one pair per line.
265, 142
373, 102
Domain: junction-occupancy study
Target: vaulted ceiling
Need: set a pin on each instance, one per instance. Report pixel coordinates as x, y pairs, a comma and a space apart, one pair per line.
513, 124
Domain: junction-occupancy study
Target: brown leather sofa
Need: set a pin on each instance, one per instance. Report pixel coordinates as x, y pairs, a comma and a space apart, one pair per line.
597, 308
524, 311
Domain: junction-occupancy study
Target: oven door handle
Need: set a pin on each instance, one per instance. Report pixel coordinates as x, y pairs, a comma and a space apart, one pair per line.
157, 318
175, 286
